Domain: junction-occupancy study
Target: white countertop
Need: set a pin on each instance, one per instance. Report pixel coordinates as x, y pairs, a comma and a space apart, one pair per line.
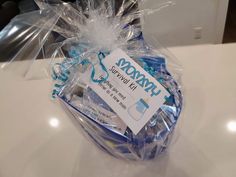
37, 139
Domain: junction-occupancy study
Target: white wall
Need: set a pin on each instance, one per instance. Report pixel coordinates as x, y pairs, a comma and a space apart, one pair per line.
179, 24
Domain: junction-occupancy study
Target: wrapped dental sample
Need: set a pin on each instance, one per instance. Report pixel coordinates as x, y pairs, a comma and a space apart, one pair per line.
117, 86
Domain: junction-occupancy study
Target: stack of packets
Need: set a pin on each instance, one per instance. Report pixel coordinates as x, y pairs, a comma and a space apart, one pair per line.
113, 83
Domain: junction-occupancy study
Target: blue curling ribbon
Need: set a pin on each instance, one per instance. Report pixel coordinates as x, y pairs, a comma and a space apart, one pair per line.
101, 56
61, 80
64, 74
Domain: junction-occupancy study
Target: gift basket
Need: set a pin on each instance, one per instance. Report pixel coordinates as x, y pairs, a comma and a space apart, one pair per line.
123, 92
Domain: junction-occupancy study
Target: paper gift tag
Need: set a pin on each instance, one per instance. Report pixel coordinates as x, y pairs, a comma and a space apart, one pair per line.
130, 91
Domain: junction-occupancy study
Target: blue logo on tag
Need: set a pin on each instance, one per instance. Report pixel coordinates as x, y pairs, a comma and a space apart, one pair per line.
137, 110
